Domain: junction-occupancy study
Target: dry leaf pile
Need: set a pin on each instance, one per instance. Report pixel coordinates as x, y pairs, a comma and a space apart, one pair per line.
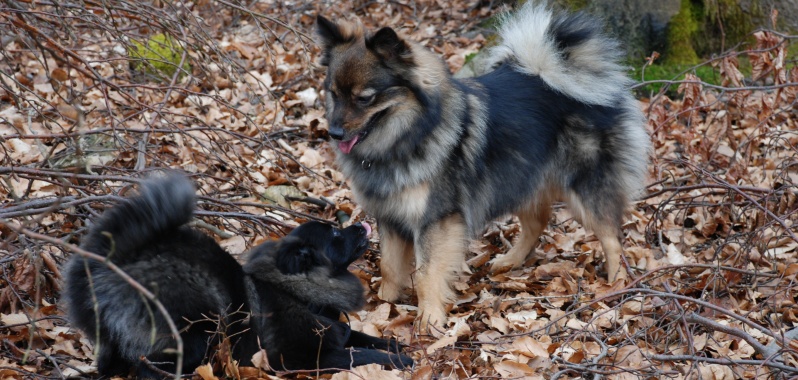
712, 245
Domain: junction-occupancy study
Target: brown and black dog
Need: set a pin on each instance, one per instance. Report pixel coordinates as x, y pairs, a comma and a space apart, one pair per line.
435, 158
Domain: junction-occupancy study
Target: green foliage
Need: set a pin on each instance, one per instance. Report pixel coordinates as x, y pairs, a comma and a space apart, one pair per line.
161, 55
706, 73
672, 72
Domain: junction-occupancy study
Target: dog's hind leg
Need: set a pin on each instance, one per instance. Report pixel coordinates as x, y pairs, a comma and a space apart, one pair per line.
533, 220
609, 236
440, 251
603, 215
396, 264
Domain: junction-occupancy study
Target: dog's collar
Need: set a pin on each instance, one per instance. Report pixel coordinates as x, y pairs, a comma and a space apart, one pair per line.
365, 164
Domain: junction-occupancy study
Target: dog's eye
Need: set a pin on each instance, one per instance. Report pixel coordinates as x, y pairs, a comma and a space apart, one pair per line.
365, 100
336, 233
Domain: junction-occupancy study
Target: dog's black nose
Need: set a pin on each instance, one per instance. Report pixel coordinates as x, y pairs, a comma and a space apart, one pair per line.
336, 132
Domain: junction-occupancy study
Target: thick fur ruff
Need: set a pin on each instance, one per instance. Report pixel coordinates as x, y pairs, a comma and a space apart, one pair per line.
435, 158
288, 291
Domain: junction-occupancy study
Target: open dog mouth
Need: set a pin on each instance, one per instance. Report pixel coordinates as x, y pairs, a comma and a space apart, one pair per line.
347, 145
363, 244
366, 227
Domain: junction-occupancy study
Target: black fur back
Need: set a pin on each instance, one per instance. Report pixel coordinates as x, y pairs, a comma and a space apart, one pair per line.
163, 204
146, 237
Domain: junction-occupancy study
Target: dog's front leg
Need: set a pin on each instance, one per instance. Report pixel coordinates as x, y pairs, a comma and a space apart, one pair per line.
396, 264
440, 251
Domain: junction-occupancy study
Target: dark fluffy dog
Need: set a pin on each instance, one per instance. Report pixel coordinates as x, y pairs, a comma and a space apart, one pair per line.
266, 301
435, 158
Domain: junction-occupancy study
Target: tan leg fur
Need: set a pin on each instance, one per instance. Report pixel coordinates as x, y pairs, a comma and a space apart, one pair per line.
533, 220
396, 265
610, 243
439, 257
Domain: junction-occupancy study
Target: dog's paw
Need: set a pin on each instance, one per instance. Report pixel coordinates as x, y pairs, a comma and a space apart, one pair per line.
431, 318
503, 263
395, 346
619, 274
389, 292
615, 270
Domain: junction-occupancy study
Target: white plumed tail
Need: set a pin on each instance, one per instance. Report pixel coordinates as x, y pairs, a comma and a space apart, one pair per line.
568, 51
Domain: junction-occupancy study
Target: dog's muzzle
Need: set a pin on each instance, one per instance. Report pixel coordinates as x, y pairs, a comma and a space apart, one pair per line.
336, 132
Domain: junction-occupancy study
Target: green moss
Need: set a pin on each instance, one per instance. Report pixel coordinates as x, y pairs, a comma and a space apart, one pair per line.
679, 50
573, 4
675, 72
792, 52
706, 27
161, 55
723, 24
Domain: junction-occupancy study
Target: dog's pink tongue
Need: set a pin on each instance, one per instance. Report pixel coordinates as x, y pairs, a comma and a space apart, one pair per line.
367, 227
346, 146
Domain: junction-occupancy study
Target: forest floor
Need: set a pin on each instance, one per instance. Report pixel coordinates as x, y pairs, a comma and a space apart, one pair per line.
712, 243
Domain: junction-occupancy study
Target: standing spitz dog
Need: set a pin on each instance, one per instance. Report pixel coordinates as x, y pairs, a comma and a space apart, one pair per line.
435, 158
205, 290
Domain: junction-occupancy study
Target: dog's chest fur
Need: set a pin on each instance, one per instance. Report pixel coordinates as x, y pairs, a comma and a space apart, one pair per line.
406, 207
411, 191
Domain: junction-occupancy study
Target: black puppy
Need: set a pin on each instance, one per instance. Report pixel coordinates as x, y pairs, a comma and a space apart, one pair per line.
265, 304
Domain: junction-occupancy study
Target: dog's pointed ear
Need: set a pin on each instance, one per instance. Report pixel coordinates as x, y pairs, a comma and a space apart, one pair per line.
330, 35
387, 45
329, 32
262, 251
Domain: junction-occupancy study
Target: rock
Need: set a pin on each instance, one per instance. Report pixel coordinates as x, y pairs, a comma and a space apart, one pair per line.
640, 25
788, 13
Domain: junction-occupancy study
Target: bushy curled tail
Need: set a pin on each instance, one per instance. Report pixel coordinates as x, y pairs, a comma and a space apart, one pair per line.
164, 203
568, 51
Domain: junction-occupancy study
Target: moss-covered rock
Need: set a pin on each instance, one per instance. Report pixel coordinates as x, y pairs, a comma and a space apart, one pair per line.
160, 55
679, 49
706, 27
724, 23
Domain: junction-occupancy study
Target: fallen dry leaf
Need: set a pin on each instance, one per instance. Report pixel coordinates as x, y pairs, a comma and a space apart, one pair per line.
247, 121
